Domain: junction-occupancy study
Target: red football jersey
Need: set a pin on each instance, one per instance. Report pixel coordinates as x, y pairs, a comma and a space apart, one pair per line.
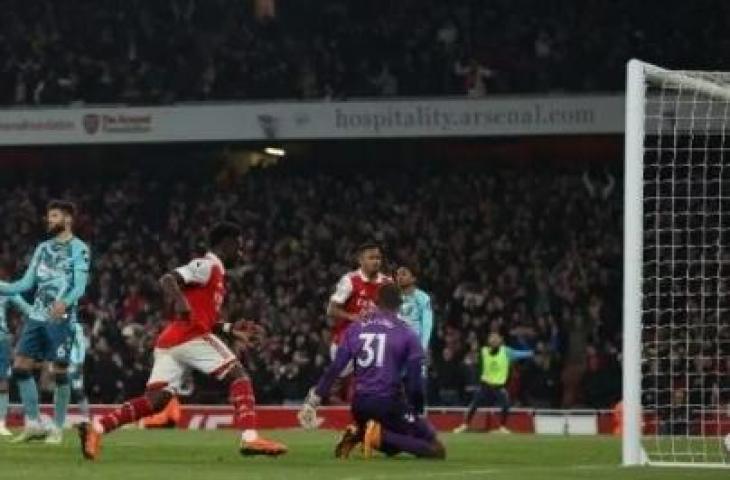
356, 293
205, 290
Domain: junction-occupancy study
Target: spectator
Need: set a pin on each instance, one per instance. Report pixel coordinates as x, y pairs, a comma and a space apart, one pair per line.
334, 49
474, 76
542, 380
449, 377
489, 257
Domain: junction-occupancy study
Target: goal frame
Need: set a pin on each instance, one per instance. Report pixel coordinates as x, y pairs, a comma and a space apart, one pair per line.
638, 74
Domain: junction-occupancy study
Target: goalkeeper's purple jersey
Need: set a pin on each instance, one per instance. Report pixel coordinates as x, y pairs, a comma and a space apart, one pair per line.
380, 346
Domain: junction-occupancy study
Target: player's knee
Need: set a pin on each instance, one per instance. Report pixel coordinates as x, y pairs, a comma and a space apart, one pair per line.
236, 372
61, 378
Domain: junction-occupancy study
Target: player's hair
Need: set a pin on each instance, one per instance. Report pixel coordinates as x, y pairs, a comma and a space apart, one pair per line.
66, 206
411, 267
389, 297
223, 231
368, 246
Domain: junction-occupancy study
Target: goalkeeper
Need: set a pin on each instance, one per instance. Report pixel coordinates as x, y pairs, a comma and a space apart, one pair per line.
381, 347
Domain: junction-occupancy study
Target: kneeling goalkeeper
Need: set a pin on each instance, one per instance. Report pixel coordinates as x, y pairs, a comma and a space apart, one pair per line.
381, 347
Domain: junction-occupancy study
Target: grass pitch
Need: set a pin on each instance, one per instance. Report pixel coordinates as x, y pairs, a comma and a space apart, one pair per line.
212, 455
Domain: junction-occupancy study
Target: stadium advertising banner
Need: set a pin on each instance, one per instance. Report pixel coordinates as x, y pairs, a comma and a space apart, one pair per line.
212, 417
316, 120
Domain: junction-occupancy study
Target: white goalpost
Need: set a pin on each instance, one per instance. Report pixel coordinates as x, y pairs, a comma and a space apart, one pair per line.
676, 349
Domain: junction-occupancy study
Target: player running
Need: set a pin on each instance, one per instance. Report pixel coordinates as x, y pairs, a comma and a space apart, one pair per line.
355, 294
58, 271
196, 292
76, 369
495, 361
382, 347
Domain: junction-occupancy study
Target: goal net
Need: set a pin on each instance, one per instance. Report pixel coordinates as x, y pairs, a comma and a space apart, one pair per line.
676, 267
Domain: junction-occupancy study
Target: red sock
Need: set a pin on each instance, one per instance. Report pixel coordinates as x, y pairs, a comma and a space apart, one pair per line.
130, 411
241, 396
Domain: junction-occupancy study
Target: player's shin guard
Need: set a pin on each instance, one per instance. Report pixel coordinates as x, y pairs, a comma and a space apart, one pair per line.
130, 411
241, 396
61, 399
28, 394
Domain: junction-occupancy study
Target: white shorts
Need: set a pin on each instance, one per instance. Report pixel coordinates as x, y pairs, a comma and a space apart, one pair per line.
347, 371
207, 354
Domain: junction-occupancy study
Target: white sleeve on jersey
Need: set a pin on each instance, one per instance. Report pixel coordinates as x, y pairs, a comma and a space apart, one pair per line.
196, 272
343, 290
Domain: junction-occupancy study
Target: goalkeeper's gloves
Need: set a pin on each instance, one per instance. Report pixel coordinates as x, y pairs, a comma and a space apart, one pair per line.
307, 415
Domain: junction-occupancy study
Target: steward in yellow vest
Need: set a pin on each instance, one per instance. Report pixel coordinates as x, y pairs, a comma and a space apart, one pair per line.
495, 360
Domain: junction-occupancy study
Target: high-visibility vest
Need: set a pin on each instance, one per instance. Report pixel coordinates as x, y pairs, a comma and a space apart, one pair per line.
495, 368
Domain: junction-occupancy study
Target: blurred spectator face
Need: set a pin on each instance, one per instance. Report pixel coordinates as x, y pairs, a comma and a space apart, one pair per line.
678, 397
370, 260
404, 278
494, 340
448, 354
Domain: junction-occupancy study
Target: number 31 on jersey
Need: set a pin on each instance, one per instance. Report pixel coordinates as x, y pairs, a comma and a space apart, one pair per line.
373, 350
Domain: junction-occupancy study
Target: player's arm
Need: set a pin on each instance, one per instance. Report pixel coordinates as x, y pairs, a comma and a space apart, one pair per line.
308, 414
335, 308
342, 358
20, 305
197, 272
28, 280
426, 320
78, 352
249, 333
170, 284
515, 355
81, 265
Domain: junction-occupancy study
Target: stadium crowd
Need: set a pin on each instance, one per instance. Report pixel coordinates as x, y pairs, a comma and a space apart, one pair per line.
187, 50
535, 256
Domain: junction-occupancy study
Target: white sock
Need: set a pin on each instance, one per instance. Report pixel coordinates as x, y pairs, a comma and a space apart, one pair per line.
249, 435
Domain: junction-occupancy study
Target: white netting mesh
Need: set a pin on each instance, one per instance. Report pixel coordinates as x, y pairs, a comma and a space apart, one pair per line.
686, 263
